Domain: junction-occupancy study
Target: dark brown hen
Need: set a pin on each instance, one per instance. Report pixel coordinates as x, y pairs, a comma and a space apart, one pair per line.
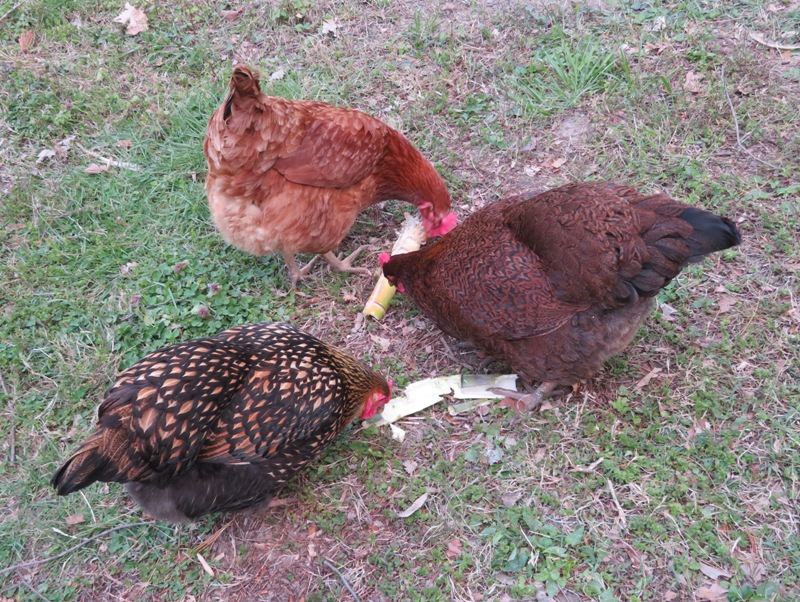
557, 283
221, 423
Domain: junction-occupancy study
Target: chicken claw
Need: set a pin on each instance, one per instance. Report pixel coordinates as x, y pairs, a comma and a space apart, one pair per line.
295, 272
346, 264
528, 401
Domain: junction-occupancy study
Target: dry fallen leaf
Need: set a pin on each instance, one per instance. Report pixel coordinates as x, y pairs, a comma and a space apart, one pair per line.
510, 498
277, 75
669, 595
45, 154
134, 18
712, 593
410, 466
206, 567
63, 146
125, 143
128, 267
418, 503
713, 572
557, 163
694, 82
329, 26
667, 311
25, 40
75, 519
698, 427
647, 378
95, 168
726, 303
232, 15
453, 548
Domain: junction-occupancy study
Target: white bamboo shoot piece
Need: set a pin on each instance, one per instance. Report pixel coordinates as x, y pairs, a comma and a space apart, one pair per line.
425, 393
411, 237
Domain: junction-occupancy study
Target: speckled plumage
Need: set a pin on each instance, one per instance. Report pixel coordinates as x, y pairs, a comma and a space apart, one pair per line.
221, 423
291, 176
557, 283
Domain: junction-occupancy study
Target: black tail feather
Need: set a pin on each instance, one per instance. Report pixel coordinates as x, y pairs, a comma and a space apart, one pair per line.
711, 233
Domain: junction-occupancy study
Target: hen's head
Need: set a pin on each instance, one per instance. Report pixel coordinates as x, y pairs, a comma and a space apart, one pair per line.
376, 400
437, 222
393, 280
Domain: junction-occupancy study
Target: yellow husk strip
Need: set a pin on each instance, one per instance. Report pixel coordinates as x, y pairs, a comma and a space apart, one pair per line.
411, 237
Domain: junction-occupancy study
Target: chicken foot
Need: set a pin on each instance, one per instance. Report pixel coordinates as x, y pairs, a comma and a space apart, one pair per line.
295, 273
346, 264
528, 401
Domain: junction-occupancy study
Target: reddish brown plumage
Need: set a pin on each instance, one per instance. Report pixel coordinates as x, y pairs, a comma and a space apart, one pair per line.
291, 176
222, 423
559, 282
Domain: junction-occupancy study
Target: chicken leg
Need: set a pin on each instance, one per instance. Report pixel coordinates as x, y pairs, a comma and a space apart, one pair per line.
528, 401
346, 264
295, 273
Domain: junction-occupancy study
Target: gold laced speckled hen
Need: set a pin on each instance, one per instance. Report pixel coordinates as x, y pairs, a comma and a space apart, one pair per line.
559, 282
221, 423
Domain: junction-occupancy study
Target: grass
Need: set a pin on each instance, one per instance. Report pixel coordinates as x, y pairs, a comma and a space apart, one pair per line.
672, 473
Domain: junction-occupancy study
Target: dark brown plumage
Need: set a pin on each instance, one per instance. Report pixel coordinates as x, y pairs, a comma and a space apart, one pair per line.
557, 283
291, 176
221, 423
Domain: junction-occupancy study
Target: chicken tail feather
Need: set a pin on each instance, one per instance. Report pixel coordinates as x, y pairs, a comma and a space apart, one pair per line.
711, 233
89, 464
244, 82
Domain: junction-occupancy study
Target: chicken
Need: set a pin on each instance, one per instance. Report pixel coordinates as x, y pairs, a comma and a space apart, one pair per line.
292, 176
557, 283
221, 423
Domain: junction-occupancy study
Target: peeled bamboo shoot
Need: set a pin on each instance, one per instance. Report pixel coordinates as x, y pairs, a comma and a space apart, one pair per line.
411, 236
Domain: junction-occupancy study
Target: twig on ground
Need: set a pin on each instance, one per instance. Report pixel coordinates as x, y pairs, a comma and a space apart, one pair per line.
762, 40
107, 161
34, 590
208, 541
12, 9
620, 512
736, 123
328, 564
12, 436
30, 563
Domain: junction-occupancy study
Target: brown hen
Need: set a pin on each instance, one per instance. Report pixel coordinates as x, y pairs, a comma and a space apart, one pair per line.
291, 176
221, 423
559, 282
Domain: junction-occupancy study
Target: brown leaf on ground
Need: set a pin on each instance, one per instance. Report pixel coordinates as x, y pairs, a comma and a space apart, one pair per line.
26, 40
232, 15
669, 595
726, 303
647, 378
75, 519
713, 572
206, 567
514, 404
124, 143
410, 466
694, 82
134, 18
418, 503
712, 593
95, 168
510, 498
453, 549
